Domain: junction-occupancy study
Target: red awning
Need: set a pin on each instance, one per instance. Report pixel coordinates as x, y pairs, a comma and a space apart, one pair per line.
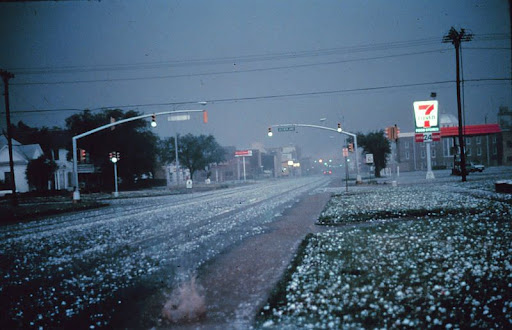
471, 130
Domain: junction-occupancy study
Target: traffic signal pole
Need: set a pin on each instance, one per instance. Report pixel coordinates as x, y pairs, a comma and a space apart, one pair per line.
339, 130
76, 192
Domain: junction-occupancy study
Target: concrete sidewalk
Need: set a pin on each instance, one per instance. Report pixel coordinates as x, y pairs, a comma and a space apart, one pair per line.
238, 282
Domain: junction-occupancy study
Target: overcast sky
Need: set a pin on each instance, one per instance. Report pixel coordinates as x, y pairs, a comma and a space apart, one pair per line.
257, 63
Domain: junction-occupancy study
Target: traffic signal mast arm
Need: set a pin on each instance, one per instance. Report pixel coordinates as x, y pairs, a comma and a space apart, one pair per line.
338, 130
79, 136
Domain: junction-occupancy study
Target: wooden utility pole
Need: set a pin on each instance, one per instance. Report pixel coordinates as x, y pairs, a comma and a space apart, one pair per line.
5, 77
456, 38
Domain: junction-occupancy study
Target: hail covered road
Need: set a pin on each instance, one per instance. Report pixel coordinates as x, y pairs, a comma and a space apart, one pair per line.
83, 268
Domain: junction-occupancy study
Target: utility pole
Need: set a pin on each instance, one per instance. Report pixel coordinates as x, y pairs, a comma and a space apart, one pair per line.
5, 77
456, 38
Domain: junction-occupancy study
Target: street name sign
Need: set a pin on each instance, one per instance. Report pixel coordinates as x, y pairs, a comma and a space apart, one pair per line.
178, 117
426, 116
286, 129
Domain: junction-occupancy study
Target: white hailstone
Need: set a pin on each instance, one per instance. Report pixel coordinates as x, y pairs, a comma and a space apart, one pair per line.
268, 324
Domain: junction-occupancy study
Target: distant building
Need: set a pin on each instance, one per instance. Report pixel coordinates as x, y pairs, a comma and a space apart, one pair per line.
483, 145
63, 176
505, 122
22, 155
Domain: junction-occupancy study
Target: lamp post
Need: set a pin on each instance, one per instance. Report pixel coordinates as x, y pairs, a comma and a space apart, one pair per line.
114, 158
181, 118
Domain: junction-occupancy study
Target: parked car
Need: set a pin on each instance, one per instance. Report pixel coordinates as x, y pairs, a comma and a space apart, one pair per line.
471, 167
475, 167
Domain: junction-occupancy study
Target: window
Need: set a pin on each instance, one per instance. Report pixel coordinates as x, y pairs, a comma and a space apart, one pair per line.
478, 140
407, 156
7, 176
479, 151
468, 141
433, 153
468, 151
422, 153
406, 144
494, 139
447, 147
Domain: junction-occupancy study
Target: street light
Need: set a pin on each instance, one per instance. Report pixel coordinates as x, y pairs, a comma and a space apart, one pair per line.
114, 158
205, 120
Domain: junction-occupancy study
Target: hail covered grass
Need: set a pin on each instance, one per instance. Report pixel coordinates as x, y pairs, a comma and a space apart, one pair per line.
445, 263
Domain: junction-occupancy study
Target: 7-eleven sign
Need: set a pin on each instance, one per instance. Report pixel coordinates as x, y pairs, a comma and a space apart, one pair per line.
426, 116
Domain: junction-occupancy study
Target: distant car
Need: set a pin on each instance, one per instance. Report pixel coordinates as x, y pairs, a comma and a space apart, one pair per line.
476, 167
328, 172
471, 167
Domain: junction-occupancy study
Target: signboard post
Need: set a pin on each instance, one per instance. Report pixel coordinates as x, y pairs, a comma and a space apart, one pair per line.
345, 155
427, 123
243, 154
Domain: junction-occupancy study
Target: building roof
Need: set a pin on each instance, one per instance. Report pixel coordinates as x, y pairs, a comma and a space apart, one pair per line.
3, 141
468, 130
471, 130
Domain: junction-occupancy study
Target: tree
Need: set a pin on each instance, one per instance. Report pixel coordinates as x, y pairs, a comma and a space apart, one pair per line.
50, 139
194, 152
136, 143
375, 143
39, 171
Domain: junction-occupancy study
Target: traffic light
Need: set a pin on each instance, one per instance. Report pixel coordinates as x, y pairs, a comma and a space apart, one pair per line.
351, 147
388, 133
205, 116
114, 156
339, 127
397, 132
83, 155
153, 120
270, 131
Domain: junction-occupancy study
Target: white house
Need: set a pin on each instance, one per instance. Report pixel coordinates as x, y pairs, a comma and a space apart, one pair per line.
63, 176
22, 155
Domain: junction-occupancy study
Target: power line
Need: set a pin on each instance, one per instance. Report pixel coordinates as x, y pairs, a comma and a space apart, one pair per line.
263, 97
227, 72
233, 59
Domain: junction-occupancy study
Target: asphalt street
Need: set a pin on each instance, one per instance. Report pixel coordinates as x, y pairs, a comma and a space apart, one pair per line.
94, 268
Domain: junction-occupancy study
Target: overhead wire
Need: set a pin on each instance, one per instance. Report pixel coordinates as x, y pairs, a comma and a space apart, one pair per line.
231, 59
294, 66
263, 97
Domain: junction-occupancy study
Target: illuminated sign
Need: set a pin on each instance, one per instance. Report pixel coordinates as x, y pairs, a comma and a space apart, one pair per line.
426, 116
243, 153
